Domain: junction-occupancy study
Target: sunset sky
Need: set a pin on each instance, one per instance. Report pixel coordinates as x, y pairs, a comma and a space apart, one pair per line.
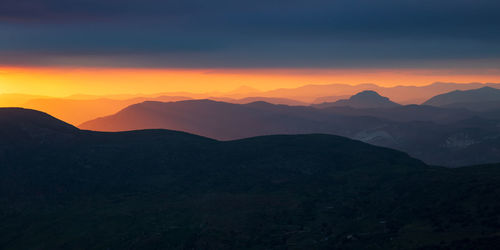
60, 47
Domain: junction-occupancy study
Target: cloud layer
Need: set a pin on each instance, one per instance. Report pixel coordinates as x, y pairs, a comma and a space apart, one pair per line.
250, 34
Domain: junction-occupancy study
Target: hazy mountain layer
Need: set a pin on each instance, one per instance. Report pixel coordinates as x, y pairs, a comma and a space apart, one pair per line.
80, 108
364, 99
76, 111
435, 135
482, 99
399, 94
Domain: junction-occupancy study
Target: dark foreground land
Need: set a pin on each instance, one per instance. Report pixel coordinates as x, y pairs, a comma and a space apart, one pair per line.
64, 188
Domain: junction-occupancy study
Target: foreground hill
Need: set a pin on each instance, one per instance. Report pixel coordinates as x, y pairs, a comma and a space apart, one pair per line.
437, 136
25, 127
364, 99
159, 189
482, 99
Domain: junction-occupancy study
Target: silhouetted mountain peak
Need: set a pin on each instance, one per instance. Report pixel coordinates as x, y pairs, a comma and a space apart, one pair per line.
260, 104
368, 95
363, 99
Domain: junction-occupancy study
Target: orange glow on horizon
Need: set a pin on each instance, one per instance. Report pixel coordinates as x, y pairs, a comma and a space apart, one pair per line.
60, 82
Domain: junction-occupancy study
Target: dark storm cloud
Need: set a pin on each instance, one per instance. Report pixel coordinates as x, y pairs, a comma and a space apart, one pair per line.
273, 33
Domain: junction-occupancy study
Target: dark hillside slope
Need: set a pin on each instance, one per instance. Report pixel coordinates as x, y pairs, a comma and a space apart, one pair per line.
21, 120
160, 189
31, 128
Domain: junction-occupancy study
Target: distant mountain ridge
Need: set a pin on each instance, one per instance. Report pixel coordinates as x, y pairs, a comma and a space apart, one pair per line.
400, 94
273, 100
79, 110
482, 99
76, 111
364, 99
435, 135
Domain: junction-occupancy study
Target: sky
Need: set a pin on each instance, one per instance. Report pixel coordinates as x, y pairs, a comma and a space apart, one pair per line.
59, 47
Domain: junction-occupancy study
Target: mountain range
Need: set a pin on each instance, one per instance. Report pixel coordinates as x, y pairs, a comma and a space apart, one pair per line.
450, 137
65, 188
399, 94
482, 99
451, 132
77, 109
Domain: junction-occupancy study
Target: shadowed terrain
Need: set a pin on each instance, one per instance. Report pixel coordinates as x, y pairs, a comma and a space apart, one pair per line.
162, 189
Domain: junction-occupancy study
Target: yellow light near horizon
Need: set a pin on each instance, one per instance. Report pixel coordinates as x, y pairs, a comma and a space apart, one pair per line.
106, 81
